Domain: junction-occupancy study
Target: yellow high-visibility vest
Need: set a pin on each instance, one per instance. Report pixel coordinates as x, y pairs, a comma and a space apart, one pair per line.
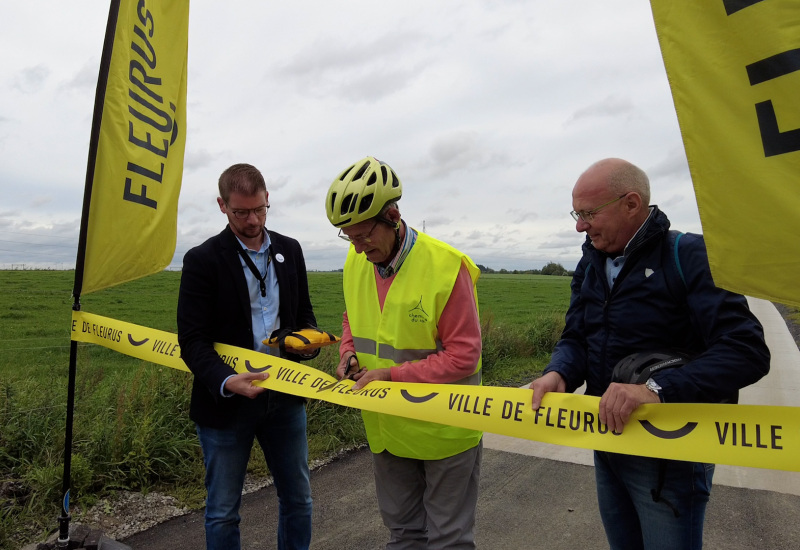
406, 330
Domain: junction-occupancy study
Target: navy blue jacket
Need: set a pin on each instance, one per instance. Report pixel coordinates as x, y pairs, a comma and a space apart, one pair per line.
650, 308
214, 306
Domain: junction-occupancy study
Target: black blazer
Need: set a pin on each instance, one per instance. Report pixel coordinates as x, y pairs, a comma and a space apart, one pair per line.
214, 306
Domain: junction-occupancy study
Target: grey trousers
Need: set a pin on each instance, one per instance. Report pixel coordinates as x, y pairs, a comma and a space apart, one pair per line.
428, 504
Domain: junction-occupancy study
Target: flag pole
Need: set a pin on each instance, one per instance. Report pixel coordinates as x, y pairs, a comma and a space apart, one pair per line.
99, 100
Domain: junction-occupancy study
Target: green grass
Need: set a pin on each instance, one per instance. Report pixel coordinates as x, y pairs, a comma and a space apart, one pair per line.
131, 427
522, 299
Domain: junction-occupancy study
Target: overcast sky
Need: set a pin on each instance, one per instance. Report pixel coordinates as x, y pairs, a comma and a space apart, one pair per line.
488, 111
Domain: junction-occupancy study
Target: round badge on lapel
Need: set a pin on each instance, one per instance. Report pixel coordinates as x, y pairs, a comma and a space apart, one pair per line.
279, 257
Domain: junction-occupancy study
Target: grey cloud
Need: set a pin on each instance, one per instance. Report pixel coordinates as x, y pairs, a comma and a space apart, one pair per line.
455, 148
188, 205
40, 201
39, 245
564, 240
277, 183
357, 72
85, 79
495, 32
371, 87
670, 178
63, 229
299, 198
201, 218
196, 229
456, 152
521, 216
669, 202
673, 166
452, 93
488, 238
434, 221
195, 159
322, 57
32, 79
612, 105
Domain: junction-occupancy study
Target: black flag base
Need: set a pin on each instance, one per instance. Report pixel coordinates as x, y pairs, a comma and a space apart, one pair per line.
81, 537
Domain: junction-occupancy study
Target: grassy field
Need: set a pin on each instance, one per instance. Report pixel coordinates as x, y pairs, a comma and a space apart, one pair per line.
131, 428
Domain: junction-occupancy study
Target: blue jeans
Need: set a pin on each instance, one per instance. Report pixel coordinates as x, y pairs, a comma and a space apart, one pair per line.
637, 516
278, 422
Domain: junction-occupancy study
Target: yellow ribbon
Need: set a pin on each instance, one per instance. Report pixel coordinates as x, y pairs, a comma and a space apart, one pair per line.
741, 435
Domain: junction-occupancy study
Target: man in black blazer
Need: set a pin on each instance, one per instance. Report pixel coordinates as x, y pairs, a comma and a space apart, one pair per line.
237, 288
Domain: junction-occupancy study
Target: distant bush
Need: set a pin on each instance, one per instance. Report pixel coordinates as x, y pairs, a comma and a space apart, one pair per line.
553, 268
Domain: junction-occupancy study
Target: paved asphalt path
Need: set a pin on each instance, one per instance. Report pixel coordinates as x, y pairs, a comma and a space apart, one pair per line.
525, 503
533, 495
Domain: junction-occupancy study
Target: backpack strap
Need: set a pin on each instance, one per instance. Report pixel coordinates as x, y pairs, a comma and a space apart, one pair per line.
672, 266
677, 238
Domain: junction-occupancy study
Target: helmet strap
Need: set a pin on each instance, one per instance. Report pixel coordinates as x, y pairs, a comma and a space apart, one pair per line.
396, 248
397, 242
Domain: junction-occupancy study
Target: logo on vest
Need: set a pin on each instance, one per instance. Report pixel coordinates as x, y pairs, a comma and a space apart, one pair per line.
417, 314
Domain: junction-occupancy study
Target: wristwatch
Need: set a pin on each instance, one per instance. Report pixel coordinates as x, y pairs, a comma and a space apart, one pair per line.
652, 386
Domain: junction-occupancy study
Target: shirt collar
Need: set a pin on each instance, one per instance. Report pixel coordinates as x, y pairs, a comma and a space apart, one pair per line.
400, 257
640, 231
264, 245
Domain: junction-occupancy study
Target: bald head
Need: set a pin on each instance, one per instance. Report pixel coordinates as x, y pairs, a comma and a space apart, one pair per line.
620, 176
619, 193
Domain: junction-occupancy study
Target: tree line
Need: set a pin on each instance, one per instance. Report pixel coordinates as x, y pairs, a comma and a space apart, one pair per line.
551, 268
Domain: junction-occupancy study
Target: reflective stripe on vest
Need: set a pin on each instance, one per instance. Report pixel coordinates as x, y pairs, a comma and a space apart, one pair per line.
398, 356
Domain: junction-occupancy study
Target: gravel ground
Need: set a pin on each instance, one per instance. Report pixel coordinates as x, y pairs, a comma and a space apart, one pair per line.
126, 513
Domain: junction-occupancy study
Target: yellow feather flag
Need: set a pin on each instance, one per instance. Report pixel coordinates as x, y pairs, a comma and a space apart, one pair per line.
136, 152
734, 71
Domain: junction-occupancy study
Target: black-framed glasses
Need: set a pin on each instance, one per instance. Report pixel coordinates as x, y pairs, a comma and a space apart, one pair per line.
363, 239
588, 215
244, 213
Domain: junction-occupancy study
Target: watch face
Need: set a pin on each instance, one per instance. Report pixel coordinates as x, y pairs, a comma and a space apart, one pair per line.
652, 386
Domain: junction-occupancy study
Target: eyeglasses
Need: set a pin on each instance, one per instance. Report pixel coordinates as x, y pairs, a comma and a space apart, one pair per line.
363, 239
588, 215
243, 214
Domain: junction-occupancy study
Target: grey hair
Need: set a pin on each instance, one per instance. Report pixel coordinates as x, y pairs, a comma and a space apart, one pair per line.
385, 209
629, 177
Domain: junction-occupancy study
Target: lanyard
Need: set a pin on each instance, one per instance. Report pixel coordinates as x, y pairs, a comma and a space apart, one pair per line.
262, 279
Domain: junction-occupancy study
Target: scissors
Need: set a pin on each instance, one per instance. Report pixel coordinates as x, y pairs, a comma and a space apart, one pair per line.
352, 362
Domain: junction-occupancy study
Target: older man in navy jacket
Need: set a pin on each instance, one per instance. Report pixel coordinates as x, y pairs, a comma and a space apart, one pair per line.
237, 288
628, 296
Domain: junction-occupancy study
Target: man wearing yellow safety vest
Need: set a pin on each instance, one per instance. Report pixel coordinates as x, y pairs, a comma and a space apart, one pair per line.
411, 316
